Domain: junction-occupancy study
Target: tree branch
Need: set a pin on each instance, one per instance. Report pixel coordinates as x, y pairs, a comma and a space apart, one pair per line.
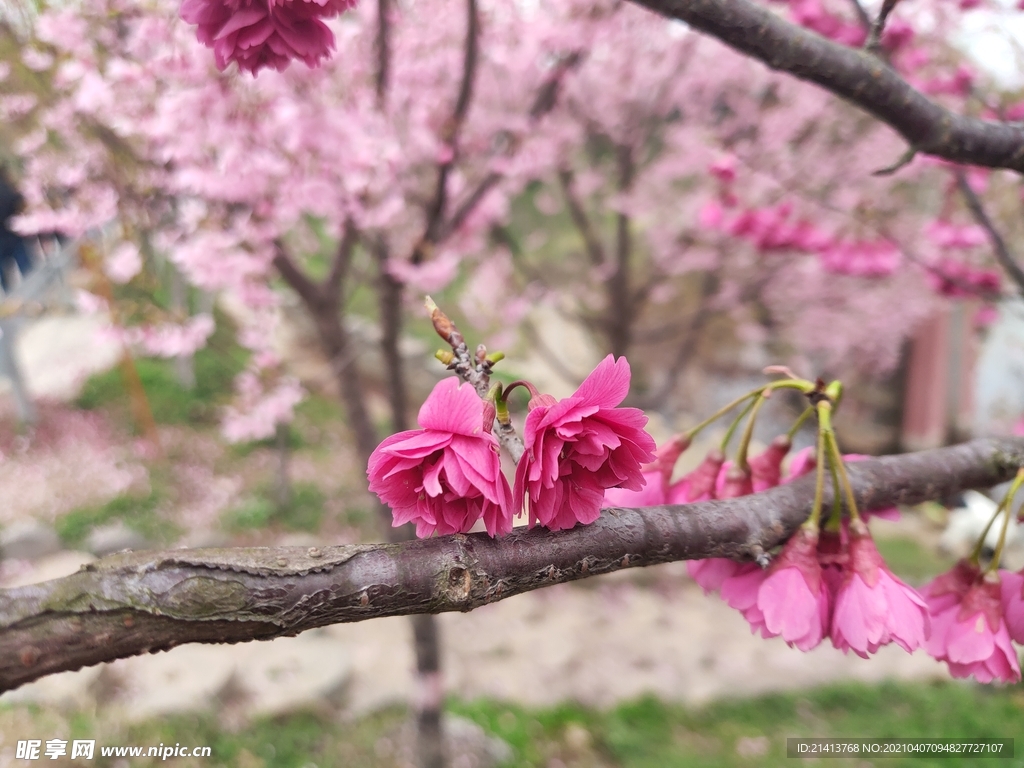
439, 202
857, 76
544, 102
311, 294
1003, 255
142, 602
579, 217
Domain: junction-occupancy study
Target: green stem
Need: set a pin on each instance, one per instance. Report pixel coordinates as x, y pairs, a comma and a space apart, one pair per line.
736, 422
1006, 506
692, 431
825, 417
801, 384
748, 433
819, 480
808, 412
836, 518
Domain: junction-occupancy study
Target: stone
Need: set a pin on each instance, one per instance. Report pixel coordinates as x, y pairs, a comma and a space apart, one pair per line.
66, 691
290, 674
466, 744
28, 540
470, 746
114, 537
191, 678
48, 568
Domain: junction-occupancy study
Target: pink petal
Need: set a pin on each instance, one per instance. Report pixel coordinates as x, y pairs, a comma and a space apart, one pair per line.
453, 407
607, 385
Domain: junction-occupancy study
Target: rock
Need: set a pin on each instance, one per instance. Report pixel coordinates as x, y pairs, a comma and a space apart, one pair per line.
67, 691
290, 674
28, 540
47, 568
470, 746
191, 678
466, 744
107, 539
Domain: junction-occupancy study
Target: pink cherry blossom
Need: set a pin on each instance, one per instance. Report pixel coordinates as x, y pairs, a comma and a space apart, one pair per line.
264, 33
741, 589
717, 478
579, 447
733, 482
793, 600
1013, 604
873, 607
123, 263
447, 475
656, 476
698, 485
766, 468
969, 630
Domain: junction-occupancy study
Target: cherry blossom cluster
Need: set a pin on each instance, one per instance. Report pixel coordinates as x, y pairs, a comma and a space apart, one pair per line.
831, 582
264, 33
446, 476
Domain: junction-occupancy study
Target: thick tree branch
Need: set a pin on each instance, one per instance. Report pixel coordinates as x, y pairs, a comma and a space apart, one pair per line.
857, 76
134, 603
1003, 255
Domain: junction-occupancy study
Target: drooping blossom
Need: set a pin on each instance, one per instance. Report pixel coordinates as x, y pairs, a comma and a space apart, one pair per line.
766, 467
579, 447
716, 478
264, 33
657, 475
740, 589
447, 475
969, 629
872, 607
793, 599
1013, 604
698, 485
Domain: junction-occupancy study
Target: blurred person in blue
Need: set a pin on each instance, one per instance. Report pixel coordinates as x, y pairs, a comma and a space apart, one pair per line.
12, 245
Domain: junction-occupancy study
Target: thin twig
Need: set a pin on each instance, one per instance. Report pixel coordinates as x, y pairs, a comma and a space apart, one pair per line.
1002, 252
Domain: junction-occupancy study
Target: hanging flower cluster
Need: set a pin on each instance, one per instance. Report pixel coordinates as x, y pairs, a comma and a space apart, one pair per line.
829, 581
447, 475
585, 452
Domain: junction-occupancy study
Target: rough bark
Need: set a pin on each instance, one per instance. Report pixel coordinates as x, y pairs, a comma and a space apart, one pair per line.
858, 76
134, 603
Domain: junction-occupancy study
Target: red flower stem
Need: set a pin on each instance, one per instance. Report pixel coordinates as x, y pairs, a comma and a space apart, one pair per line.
1005, 506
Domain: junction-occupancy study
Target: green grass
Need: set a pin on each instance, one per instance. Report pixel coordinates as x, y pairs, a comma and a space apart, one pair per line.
216, 365
651, 734
910, 560
137, 512
305, 512
645, 733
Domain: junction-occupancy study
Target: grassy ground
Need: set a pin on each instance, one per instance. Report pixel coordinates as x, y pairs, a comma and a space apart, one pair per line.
640, 734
